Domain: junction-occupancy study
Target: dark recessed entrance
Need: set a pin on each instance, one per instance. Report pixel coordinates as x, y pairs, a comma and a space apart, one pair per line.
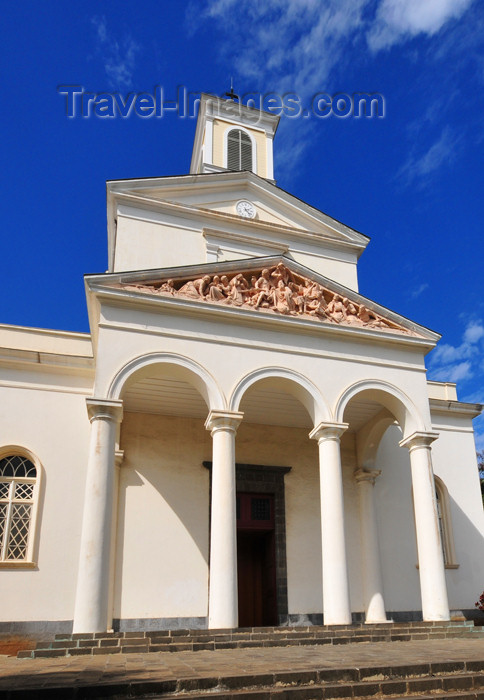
256, 560
261, 544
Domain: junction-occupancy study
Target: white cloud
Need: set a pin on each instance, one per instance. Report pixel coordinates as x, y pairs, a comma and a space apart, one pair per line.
419, 290
306, 47
399, 20
474, 332
293, 43
440, 153
286, 46
453, 363
454, 373
119, 57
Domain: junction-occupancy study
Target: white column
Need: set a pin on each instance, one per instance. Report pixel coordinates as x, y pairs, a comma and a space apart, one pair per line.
269, 158
336, 598
207, 157
222, 600
91, 609
370, 552
433, 589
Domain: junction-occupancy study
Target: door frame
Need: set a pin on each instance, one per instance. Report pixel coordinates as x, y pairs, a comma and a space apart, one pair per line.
258, 478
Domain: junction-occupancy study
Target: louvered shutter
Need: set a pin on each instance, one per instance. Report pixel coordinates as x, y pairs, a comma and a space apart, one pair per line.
245, 152
239, 150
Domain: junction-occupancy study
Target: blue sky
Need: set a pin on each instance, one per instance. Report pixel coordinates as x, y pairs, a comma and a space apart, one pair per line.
412, 181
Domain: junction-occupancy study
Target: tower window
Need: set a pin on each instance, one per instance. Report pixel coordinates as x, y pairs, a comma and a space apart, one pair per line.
239, 150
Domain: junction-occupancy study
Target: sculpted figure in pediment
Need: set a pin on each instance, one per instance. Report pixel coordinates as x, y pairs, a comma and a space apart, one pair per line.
239, 289
280, 272
369, 318
196, 288
336, 310
168, 286
217, 290
282, 298
351, 313
275, 289
264, 285
315, 303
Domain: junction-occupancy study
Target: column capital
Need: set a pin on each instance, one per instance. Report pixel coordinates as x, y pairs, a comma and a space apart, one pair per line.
328, 431
370, 475
418, 439
223, 420
104, 409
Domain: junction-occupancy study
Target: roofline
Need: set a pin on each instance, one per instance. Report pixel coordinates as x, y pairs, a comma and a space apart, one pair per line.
231, 172
47, 331
249, 174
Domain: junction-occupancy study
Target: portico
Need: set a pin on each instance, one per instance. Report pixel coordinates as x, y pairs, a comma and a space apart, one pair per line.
244, 425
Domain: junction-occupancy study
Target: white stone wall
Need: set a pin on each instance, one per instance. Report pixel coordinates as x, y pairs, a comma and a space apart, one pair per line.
54, 426
162, 534
151, 239
453, 457
455, 463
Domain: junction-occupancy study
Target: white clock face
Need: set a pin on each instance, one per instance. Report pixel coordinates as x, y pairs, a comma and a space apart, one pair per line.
245, 209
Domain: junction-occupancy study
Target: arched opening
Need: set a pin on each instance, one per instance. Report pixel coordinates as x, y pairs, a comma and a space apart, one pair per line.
278, 519
162, 532
380, 527
239, 150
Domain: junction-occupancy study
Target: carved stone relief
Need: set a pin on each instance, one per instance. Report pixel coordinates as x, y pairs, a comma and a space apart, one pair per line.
276, 290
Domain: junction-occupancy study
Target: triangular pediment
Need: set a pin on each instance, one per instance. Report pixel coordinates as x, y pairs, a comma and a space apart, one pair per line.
274, 286
220, 194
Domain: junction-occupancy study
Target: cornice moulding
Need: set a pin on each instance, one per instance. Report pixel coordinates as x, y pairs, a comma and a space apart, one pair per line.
101, 283
212, 234
144, 202
227, 180
471, 410
251, 318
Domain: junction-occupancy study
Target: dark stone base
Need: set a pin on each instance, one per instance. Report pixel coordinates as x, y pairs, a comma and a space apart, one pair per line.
43, 628
147, 624
47, 628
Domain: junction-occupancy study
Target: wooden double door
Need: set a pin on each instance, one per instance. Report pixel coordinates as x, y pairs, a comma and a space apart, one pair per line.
256, 560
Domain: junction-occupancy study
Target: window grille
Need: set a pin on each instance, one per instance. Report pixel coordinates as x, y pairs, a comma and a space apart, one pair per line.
239, 150
261, 509
18, 477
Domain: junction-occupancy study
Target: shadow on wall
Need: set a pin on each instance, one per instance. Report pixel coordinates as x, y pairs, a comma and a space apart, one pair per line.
397, 538
162, 528
469, 551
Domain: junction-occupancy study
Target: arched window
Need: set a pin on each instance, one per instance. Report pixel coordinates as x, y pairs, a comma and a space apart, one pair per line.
445, 524
18, 481
239, 150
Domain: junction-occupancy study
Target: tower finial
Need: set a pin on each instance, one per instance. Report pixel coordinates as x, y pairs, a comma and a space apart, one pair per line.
231, 95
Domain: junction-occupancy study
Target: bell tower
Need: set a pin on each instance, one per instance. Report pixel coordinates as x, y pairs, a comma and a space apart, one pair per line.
233, 136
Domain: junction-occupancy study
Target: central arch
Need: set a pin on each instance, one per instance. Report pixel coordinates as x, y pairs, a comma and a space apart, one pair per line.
293, 383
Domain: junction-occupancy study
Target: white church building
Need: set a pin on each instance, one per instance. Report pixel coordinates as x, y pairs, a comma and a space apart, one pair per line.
242, 439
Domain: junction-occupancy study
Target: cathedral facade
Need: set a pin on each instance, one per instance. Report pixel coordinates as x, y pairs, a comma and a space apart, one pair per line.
242, 439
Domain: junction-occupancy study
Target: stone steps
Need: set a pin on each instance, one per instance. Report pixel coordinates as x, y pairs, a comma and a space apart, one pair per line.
308, 685
449, 680
198, 640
